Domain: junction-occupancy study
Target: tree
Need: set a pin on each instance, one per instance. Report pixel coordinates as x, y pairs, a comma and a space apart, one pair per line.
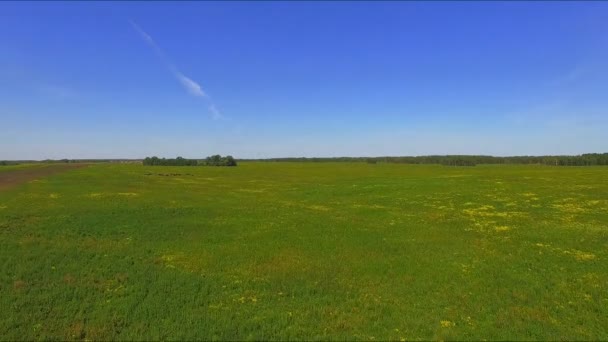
215, 160
229, 161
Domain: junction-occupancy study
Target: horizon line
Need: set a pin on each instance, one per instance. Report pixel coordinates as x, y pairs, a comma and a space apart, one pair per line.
337, 157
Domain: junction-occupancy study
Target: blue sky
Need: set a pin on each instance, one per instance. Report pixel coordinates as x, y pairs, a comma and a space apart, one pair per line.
277, 79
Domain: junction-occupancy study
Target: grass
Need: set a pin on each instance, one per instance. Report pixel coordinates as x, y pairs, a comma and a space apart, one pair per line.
14, 167
335, 251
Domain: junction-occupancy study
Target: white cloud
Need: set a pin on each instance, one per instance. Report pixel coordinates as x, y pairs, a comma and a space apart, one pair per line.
191, 86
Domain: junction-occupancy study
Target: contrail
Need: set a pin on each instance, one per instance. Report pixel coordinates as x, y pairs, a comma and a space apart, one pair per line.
148, 39
191, 86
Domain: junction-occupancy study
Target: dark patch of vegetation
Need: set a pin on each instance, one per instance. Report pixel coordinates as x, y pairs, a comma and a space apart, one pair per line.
179, 161
588, 159
215, 160
55, 161
168, 174
458, 161
8, 162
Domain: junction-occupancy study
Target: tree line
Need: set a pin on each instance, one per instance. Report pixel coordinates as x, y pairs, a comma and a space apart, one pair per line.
215, 160
588, 159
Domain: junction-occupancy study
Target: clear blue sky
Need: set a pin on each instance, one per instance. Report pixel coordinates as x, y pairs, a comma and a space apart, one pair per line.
273, 79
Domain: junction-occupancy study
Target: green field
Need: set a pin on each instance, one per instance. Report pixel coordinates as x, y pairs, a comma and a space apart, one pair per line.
341, 251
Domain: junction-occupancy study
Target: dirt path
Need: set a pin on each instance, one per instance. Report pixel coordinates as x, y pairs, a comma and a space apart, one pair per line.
9, 179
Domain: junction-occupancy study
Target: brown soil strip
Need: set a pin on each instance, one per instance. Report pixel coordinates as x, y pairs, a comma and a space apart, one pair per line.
9, 179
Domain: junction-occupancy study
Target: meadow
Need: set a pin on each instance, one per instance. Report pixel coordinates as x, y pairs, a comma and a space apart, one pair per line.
331, 251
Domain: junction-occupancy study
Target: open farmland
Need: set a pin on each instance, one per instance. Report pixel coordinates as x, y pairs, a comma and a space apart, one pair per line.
306, 251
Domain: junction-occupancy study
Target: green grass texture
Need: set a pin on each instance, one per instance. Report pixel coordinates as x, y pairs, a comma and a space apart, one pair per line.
306, 251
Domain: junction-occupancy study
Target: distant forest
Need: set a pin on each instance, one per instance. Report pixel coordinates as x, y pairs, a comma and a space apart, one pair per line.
215, 160
588, 159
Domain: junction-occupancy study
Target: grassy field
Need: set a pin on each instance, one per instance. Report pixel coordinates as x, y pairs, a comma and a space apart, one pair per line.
21, 167
306, 251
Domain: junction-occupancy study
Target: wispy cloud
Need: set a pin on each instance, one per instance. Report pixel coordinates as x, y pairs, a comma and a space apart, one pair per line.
191, 86
570, 76
215, 112
143, 34
535, 114
54, 91
575, 74
148, 39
